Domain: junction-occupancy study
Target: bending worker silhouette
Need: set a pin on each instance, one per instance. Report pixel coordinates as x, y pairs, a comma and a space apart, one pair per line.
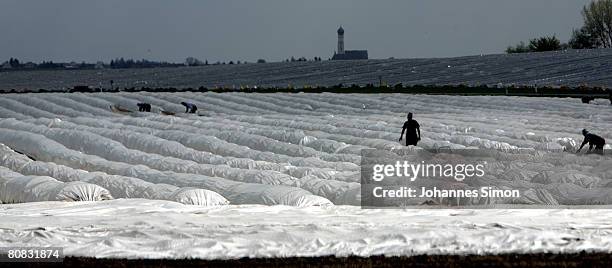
413, 131
189, 107
144, 107
592, 140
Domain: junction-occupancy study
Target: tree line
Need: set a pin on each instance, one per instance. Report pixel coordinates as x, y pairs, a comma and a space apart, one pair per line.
122, 63
596, 32
119, 63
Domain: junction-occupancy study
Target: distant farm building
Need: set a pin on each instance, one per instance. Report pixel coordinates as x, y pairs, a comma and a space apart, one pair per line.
342, 54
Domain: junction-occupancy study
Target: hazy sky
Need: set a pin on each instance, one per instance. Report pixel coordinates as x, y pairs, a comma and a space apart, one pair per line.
91, 30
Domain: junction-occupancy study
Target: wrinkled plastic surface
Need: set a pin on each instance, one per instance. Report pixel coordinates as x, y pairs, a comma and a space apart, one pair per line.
40, 188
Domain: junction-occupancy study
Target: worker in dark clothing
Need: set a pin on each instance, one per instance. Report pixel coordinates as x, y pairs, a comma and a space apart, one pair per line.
593, 140
587, 99
413, 131
189, 107
144, 107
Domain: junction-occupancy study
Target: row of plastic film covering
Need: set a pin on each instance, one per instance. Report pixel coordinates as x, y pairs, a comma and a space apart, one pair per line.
45, 149
15, 188
118, 186
339, 192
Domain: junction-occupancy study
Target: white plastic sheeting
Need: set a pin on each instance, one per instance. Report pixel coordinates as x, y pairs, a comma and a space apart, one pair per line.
118, 186
237, 144
95, 144
310, 141
91, 143
140, 138
45, 149
329, 124
40, 188
17, 188
172, 148
322, 182
249, 231
277, 142
200, 197
6, 173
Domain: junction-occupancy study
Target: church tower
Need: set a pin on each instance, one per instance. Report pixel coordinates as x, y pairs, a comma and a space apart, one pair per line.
343, 54
340, 40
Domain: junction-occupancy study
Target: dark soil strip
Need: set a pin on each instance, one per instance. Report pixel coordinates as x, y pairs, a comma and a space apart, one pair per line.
463, 90
506, 260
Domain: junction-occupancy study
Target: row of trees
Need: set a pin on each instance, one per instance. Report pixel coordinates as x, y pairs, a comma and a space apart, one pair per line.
597, 28
191, 61
546, 43
15, 64
595, 33
293, 59
122, 63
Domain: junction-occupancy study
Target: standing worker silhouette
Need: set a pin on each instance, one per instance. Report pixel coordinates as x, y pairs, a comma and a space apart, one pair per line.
413, 131
592, 140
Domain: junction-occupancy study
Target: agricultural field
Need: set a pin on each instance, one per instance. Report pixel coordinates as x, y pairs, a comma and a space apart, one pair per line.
570, 68
276, 175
